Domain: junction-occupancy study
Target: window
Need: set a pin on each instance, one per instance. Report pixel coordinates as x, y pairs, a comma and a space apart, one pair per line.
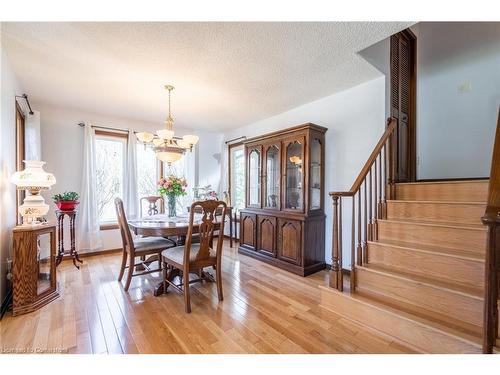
110, 151
237, 176
147, 174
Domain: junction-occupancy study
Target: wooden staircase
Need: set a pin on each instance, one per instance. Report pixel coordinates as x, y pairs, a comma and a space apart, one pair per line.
421, 279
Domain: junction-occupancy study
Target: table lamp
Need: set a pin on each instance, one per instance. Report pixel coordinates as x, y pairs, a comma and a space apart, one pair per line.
33, 179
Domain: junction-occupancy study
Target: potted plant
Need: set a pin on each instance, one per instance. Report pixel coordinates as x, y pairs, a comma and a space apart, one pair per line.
172, 187
66, 201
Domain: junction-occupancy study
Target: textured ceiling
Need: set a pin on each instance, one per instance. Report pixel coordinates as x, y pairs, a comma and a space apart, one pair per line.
226, 74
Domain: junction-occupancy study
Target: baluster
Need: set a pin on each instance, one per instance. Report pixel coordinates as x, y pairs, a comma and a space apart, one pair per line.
336, 276
375, 205
352, 279
365, 222
359, 248
384, 201
370, 212
341, 275
380, 215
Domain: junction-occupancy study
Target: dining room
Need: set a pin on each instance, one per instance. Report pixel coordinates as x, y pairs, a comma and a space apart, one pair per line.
183, 188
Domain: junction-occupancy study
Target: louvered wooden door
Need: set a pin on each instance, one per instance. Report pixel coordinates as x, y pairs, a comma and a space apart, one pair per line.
403, 105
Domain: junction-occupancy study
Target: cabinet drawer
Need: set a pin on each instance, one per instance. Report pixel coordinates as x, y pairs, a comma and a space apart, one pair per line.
289, 240
266, 235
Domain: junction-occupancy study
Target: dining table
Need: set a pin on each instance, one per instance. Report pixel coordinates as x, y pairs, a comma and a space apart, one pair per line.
174, 228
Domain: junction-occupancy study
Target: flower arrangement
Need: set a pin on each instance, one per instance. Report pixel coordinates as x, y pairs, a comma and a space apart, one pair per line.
172, 185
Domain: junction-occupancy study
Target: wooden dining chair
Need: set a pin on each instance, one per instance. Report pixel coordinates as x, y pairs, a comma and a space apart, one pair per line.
156, 205
194, 257
140, 247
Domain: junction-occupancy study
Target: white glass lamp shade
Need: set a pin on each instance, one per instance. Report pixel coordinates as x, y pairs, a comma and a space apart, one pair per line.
165, 134
144, 137
183, 144
190, 139
158, 142
168, 157
33, 177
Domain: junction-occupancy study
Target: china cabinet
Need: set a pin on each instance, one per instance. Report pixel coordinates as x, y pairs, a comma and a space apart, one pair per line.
283, 222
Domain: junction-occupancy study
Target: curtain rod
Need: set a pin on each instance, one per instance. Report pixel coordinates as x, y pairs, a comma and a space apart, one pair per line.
25, 97
82, 124
236, 139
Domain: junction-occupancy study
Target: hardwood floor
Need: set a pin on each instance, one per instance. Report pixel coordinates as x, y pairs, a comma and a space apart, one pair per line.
265, 310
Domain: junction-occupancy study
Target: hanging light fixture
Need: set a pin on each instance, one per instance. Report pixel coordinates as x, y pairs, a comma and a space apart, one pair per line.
167, 146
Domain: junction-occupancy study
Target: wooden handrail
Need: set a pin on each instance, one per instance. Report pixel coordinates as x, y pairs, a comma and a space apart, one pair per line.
368, 195
491, 218
391, 125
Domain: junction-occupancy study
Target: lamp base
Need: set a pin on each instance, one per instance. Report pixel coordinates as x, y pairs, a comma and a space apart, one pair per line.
33, 208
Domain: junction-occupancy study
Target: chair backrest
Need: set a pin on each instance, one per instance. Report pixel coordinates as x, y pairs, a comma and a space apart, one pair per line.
127, 239
153, 208
213, 214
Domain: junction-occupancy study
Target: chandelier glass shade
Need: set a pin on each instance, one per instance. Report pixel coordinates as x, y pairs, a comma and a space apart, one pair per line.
168, 147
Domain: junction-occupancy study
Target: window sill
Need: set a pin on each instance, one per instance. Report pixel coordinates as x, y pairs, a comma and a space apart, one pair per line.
109, 226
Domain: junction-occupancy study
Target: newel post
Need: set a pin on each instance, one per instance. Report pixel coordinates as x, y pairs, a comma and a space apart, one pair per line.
336, 278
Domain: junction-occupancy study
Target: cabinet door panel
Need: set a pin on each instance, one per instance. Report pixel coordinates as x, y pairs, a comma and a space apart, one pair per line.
272, 173
289, 240
248, 230
266, 234
293, 174
254, 176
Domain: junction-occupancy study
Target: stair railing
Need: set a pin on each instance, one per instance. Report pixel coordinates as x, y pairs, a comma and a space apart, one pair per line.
491, 219
374, 184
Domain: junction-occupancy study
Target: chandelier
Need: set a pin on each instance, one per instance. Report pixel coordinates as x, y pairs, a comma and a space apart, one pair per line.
168, 147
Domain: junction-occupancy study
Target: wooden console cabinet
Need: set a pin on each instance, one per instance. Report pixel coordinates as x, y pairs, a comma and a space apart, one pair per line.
34, 267
283, 222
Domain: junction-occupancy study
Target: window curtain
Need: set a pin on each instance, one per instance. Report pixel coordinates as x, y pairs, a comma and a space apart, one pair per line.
87, 234
224, 170
130, 190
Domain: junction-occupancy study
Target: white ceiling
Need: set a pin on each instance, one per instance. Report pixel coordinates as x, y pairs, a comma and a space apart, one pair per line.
226, 74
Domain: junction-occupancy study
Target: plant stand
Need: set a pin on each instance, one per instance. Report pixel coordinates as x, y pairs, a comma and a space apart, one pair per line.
60, 237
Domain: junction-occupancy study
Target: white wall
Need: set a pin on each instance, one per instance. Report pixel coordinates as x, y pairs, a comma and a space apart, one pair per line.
9, 88
62, 145
458, 96
355, 119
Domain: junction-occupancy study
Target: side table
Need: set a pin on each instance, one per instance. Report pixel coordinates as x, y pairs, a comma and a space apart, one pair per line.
60, 214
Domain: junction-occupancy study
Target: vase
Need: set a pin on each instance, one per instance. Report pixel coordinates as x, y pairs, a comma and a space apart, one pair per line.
171, 206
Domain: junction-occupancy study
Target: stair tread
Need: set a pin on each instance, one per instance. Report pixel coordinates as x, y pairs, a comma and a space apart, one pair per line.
468, 291
435, 202
471, 338
457, 253
478, 181
457, 225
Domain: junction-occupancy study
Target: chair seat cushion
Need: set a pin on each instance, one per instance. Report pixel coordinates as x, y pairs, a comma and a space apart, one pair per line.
151, 244
177, 253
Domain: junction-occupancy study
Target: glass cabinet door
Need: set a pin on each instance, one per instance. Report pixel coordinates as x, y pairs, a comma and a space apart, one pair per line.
294, 154
273, 177
44, 263
254, 177
315, 175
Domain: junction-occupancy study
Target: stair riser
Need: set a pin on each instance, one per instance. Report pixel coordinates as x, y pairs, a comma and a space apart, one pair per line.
435, 265
472, 240
434, 299
429, 340
459, 192
450, 213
